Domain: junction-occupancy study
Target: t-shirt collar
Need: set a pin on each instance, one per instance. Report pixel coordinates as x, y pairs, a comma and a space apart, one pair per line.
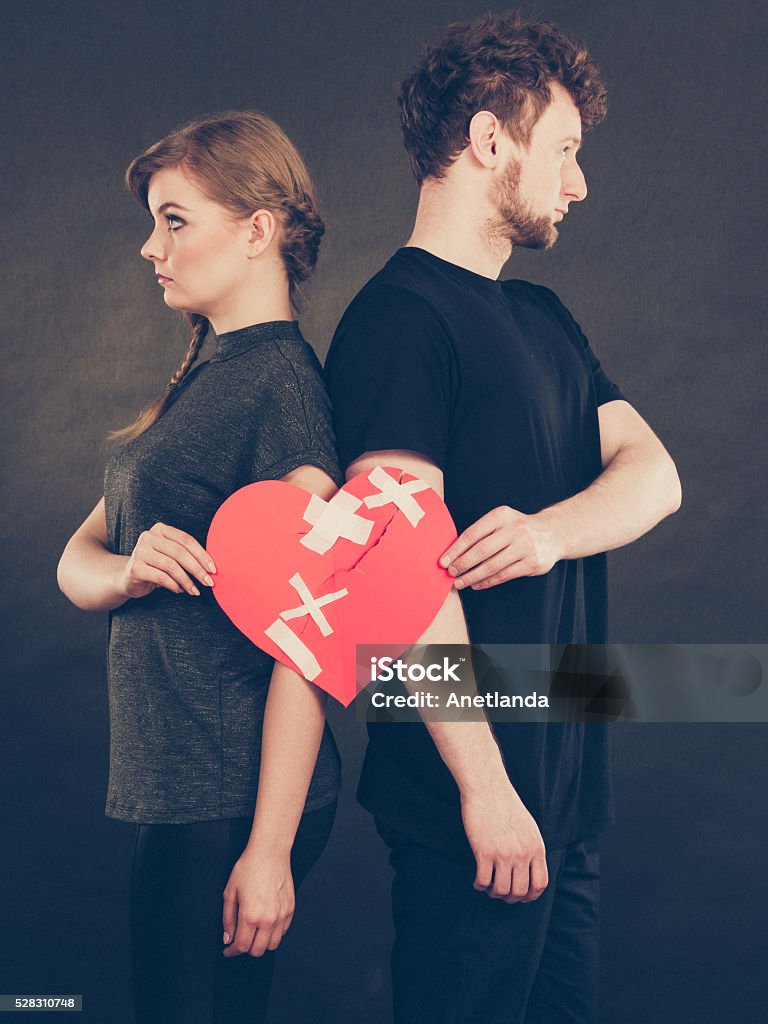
234, 343
458, 274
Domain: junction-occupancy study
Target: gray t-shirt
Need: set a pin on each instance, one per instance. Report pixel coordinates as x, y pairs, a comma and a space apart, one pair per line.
186, 689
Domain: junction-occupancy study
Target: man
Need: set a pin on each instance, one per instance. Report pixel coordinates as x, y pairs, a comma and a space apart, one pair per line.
490, 392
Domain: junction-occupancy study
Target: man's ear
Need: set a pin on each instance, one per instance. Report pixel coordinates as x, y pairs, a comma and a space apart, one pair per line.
484, 135
263, 227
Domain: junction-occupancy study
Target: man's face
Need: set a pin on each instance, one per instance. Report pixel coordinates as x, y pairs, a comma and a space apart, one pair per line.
537, 184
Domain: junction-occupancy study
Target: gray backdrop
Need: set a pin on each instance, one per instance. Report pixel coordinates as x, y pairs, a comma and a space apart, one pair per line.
660, 266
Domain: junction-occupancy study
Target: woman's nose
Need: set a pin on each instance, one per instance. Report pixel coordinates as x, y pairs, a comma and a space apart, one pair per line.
153, 248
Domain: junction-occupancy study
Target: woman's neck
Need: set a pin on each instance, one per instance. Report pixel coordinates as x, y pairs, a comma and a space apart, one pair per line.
263, 298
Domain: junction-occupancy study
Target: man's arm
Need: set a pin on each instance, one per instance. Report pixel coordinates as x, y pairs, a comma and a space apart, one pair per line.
505, 840
638, 487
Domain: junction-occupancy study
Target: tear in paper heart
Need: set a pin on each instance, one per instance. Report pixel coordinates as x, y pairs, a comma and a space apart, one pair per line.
306, 580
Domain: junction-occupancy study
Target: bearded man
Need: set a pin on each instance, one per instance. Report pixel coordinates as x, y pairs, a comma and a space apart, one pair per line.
490, 391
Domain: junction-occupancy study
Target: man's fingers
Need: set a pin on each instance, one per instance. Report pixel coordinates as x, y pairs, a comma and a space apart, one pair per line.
479, 553
521, 881
470, 536
513, 571
484, 874
507, 565
539, 879
502, 880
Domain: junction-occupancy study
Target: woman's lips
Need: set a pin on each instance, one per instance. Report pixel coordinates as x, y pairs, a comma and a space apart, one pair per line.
162, 279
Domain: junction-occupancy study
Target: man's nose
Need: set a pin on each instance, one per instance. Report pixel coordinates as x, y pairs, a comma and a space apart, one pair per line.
574, 183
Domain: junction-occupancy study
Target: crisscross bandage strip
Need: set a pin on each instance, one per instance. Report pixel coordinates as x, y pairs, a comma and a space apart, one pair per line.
333, 519
295, 648
396, 493
312, 605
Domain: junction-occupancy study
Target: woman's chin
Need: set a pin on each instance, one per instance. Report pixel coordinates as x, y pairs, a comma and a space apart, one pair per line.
172, 300
178, 303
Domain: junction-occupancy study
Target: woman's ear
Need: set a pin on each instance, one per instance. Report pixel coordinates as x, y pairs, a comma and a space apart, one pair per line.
263, 226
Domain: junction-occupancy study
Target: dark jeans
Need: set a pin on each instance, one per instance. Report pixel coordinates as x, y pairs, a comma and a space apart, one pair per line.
180, 975
461, 957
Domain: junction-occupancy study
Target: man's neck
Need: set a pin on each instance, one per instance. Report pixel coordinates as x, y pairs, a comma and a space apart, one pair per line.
452, 225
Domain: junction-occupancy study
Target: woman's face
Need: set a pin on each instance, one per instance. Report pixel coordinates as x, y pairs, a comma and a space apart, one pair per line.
199, 250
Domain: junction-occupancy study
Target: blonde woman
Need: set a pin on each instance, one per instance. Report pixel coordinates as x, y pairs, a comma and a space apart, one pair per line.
220, 757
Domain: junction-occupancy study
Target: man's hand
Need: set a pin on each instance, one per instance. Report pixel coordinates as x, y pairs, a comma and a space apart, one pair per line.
259, 902
502, 545
507, 844
505, 840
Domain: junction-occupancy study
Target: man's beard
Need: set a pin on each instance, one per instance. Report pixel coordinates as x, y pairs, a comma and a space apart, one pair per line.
515, 221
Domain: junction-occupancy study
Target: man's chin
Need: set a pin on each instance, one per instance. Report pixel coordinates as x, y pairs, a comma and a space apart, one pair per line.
536, 240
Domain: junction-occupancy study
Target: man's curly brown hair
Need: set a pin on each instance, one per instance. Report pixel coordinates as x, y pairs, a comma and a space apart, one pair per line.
500, 63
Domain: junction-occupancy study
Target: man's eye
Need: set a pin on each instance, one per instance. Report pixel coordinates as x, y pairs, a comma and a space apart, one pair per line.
174, 222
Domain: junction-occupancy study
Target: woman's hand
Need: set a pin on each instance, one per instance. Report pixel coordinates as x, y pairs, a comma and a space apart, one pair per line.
166, 557
259, 899
259, 902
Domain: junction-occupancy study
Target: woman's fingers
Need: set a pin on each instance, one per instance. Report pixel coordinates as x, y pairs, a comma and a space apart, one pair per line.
170, 558
162, 579
229, 917
270, 934
158, 560
263, 937
187, 551
254, 935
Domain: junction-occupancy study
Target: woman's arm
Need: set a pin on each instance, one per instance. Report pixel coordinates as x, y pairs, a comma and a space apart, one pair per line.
97, 581
88, 572
259, 897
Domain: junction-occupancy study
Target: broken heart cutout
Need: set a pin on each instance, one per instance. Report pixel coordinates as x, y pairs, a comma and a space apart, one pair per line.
307, 580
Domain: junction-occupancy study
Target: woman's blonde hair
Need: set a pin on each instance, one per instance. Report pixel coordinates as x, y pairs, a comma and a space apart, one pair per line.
245, 162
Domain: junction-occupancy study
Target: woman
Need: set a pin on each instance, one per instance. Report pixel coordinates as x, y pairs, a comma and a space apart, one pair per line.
193, 735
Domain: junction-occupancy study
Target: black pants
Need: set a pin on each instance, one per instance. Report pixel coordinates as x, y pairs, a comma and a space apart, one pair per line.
461, 957
180, 975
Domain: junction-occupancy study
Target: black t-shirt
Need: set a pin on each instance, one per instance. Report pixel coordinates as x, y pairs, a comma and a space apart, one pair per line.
187, 690
496, 383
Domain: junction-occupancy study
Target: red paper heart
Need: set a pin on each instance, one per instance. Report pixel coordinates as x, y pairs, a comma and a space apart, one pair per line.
259, 540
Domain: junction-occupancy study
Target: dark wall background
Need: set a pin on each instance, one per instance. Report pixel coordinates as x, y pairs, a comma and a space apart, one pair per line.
660, 266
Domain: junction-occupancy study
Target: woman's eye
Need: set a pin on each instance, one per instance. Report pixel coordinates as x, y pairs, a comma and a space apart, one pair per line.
173, 222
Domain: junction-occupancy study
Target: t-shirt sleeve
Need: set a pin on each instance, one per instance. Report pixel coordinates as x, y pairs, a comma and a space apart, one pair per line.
605, 389
293, 424
391, 374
